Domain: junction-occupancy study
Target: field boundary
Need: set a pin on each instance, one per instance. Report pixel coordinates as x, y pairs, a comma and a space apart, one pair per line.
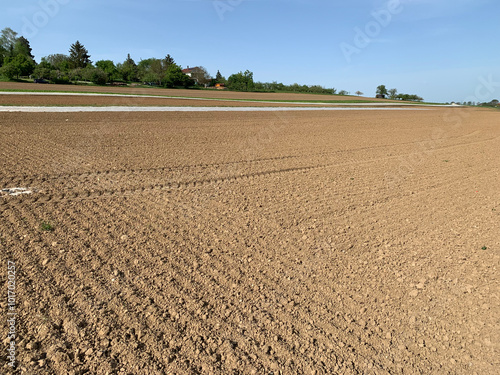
61, 109
310, 102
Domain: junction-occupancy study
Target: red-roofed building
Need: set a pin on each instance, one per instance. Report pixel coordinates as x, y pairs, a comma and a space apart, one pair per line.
189, 71
197, 74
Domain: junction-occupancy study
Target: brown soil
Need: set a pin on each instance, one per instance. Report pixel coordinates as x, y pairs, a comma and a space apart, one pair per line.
267, 243
220, 94
64, 100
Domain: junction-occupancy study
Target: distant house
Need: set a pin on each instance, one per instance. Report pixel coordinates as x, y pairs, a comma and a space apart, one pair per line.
379, 96
194, 73
189, 71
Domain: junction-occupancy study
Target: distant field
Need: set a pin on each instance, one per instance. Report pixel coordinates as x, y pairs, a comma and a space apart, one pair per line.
218, 94
100, 100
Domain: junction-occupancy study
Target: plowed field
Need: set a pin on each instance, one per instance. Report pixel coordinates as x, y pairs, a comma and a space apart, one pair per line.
253, 243
219, 94
63, 100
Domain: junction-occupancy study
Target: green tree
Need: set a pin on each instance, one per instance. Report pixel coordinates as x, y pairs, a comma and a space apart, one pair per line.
58, 76
8, 38
155, 70
409, 97
393, 93
78, 56
241, 81
277, 86
159, 68
19, 65
219, 78
174, 77
74, 74
42, 70
169, 60
316, 89
58, 67
128, 70
26, 64
381, 90
9, 71
151, 78
59, 61
22, 47
16, 55
108, 67
94, 75
145, 71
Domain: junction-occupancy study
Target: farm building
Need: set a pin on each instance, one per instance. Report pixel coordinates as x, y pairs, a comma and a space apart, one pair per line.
189, 71
198, 74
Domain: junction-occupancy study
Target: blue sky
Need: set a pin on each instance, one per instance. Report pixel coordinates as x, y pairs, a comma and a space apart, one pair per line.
442, 50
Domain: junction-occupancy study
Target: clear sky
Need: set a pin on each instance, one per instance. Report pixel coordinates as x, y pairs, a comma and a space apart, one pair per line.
442, 50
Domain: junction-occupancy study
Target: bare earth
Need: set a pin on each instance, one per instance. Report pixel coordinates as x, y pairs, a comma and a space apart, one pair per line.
266, 243
61, 100
219, 94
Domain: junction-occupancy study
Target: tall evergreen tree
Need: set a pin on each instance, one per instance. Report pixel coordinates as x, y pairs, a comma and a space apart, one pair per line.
219, 78
130, 60
128, 70
22, 47
169, 60
78, 56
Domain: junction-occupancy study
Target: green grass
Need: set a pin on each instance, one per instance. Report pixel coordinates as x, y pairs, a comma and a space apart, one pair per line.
46, 226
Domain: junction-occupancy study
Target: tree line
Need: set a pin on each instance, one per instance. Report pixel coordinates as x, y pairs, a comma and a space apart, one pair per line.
394, 95
15, 55
17, 60
494, 103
